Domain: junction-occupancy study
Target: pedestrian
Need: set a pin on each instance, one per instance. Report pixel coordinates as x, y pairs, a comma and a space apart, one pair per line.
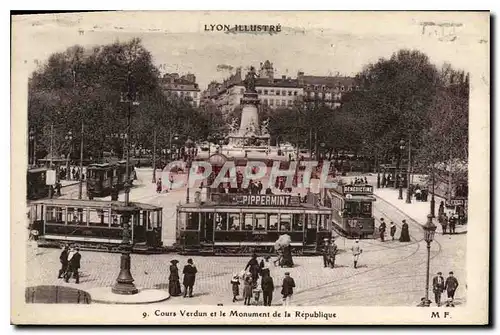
393, 230
158, 186
171, 181
254, 268
441, 208
381, 229
405, 234
451, 286
438, 288
384, 180
333, 250
247, 289
444, 223
269, 191
326, 247
287, 289
259, 187
267, 286
63, 259
74, 258
189, 272
235, 284
356, 251
452, 223
174, 284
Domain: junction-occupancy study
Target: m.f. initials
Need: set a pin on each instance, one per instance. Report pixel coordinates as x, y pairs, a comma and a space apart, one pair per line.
436, 315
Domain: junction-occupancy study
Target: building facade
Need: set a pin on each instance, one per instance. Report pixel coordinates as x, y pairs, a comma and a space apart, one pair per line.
184, 87
281, 92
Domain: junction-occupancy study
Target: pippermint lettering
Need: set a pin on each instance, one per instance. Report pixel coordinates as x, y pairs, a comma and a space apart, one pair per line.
244, 27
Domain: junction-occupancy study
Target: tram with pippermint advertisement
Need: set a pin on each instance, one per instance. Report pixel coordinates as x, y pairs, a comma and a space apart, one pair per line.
97, 224
352, 213
235, 224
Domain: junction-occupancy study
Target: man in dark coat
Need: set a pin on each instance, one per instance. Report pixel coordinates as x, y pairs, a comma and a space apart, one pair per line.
393, 230
438, 287
189, 278
326, 249
254, 268
287, 289
74, 258
381, 229
267, 286
63, 258
450, 286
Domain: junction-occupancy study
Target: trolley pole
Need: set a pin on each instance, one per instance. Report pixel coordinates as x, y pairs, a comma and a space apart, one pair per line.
80, 183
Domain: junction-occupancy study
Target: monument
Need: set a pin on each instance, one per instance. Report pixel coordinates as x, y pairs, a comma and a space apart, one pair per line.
250, 136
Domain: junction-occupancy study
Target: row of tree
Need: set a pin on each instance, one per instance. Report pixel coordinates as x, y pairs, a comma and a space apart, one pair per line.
96, 86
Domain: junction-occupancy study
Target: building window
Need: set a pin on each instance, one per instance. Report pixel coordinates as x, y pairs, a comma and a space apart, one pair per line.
277, 92
328, 96
357, 88
321, 95
283, 102
289, 93
323, 87
195, 94
350, 88
265, 92
342, 88
295, 93
283, 92
271, 102
311, 94
182, 94
316, 87
195, 104
277, 102
290, 102
272, 92
259, 91
265, 101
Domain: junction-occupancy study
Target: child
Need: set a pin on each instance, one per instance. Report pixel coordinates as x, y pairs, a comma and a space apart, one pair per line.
235, 282
247, 289
256, 293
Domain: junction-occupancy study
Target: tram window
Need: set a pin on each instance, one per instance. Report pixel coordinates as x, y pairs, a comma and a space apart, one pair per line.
323, 223
234, 222
75, 216
366, 209
298, 222
247, 221
273, 222
115, 220
353, 208
193, 220
285, 222
98, 217
260, 221
311, 221
221, 221
160, 218
55, 214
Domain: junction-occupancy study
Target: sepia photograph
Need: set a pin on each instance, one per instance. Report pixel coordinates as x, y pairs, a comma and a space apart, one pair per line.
250, 168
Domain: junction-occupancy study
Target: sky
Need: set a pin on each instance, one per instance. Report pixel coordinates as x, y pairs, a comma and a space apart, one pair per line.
318, 43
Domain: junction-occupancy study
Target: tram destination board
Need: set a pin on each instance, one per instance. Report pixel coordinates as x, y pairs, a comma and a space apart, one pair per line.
256, 200
365, 189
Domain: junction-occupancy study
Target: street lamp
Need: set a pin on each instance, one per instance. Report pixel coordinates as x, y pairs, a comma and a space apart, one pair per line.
429, 230
125, 282
189, 154
433, 201
68, 138
408, 194
399, 176
32, 140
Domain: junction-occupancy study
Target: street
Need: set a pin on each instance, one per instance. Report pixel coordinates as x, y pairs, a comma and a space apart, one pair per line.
389, 274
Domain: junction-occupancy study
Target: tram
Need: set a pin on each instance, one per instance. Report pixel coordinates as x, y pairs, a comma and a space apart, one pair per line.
37, 187
101, 178
228, 224
96, 224
352, 210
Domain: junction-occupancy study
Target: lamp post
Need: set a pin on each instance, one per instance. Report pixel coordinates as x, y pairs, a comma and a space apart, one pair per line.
69, 138
408, 194
189, 154
33, 147
429, 230
154, 157
125, 282
378, 170
399, 177
433, 200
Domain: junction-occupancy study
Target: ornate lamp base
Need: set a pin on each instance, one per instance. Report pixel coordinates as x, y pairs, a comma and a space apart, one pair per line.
125, 282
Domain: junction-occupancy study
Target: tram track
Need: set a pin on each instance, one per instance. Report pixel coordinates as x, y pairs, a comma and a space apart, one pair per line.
337, 283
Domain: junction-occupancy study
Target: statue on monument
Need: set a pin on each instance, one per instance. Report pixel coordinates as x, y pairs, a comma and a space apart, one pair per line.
249, 81
265, 127
233, 128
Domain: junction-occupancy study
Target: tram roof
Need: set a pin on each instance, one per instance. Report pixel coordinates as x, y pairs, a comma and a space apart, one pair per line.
92, 203
35, 170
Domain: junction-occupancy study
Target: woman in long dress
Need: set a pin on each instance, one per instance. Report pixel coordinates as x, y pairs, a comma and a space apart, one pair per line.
247, 289
174, 285
405, 234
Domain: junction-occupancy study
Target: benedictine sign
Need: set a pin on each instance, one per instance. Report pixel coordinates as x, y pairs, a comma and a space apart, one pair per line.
353, 189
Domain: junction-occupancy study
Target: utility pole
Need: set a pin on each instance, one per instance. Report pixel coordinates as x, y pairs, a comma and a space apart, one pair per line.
80, 184
408, 193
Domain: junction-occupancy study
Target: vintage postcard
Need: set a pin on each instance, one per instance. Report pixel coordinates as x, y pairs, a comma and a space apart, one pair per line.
319, 168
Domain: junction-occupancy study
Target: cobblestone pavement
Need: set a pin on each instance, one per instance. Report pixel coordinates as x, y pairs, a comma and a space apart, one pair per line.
389, 273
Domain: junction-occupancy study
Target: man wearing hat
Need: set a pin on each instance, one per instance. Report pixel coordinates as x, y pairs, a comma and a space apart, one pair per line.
332, 252
393, 230
381, 229
451, 286
326, 250
63, 258
438, 287
189, 272
356, 251
74, 258
287, 289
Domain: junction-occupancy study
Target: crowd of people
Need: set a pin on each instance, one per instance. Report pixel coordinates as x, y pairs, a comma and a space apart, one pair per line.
440, 285
405, 233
